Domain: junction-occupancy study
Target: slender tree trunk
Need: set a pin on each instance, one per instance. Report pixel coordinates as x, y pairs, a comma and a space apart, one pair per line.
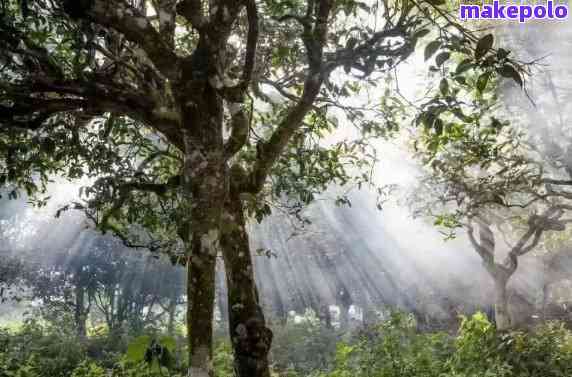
172, 311
502, 316
344, 316
250, 337
545, 296
326, 315
80, 312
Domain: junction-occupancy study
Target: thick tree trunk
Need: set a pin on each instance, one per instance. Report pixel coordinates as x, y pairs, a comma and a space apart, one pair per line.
202, 249
205, 184
250, 337
200, 304
502, 316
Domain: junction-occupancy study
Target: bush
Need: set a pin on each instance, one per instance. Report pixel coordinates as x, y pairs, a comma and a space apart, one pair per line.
304, 347
478, 350
40, 352
393, 348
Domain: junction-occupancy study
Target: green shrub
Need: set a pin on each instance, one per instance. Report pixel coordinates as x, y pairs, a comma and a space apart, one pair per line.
396, 349
393, 348
45, 353
89, 369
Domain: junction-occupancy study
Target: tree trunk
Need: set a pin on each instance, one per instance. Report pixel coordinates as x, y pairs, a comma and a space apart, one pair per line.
204, 178
80, 315
545, 296
200, 303
250, 337
172, 311
326, 315
502, 316
344, 317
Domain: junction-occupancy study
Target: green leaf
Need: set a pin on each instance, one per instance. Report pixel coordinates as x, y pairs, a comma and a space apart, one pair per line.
461, 80
502, 53
438, 126
444, 87
464, 66
482, 81
442, 58
431, 48
484, 45
168, 342
136, 349
510, 72
436, 2
421, 33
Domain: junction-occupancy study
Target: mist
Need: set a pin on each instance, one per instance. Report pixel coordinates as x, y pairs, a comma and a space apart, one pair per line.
377, 258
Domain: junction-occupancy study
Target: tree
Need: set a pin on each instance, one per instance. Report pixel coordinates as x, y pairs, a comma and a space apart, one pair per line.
138, 96
486, 174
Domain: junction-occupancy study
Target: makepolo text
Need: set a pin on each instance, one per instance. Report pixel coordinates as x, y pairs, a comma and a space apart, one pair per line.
513, 12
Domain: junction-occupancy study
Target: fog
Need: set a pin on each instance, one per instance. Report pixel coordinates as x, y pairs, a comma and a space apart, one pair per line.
357, 256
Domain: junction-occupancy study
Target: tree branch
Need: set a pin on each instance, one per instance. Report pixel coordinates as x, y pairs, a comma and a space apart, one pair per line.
128, 20
192, 11
269, 151
251, 42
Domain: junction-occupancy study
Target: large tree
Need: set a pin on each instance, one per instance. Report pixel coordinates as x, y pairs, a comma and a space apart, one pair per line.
190, 116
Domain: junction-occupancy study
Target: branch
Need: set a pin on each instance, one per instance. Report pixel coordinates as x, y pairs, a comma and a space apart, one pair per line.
128, 20
251, 42
537, 225
269, 151
485, 255
239, 131
166, 15
31, 107
33, 114
192, 11
560, 182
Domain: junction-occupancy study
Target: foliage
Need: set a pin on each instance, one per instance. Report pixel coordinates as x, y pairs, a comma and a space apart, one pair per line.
478, 350
393, 348
315, 346
37, 351
154, 352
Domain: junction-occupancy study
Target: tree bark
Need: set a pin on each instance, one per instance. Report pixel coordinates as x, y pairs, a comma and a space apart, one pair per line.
204, 178
202, 249
502, 316
200, 303
251, 339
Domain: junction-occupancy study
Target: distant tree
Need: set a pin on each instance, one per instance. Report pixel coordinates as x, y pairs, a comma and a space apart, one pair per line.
486, 175
13, 273
129, 290
193, 115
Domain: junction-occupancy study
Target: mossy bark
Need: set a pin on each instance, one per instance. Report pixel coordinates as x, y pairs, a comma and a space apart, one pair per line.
251, 339
205, 187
